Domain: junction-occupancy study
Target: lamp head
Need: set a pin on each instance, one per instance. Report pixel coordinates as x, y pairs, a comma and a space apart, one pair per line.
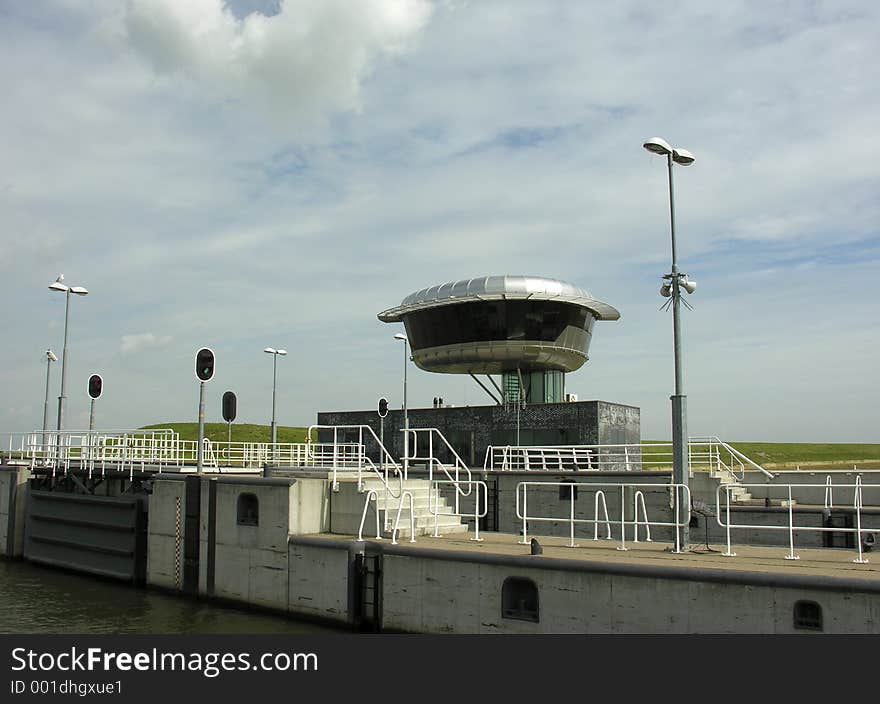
682, 157
79, 290
50, 355
281, 352
269, 350
400, 336
658, 145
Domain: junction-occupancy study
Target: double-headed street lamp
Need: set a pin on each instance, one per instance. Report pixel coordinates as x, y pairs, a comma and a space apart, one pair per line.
58, 285
401, 336
274, 353
675, 282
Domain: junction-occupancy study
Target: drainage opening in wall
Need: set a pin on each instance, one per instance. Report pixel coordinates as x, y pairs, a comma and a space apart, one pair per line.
807, 616
248, 510
519, 599
565, 491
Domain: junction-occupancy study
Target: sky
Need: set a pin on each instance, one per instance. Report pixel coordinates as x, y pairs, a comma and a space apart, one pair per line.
275, 173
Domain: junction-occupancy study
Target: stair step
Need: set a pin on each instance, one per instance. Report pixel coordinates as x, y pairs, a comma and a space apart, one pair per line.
784, 503
427, 521
403, 531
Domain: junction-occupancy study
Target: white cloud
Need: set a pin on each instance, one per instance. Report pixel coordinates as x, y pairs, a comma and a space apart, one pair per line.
135, 343
307, 59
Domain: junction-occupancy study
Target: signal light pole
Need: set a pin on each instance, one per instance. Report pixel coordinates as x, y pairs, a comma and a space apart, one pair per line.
96, 388
204, 373
229, 407
383, 411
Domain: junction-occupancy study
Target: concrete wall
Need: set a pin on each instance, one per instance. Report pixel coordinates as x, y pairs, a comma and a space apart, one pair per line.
704, 487
165, 534
13, 500
242, 562
321, 580
428, 595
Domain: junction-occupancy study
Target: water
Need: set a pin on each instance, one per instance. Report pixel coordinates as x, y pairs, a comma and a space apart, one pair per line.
35, 599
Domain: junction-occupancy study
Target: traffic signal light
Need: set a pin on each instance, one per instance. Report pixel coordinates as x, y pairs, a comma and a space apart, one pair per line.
96, 385
383, 407
229, 403
205, 364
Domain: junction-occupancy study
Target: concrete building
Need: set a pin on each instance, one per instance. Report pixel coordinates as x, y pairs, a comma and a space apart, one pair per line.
471, 429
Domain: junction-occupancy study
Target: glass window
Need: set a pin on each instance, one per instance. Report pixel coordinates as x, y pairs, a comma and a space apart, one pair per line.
544, 321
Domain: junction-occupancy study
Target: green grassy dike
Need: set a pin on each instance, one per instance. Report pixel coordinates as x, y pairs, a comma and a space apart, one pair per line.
241, 432
789, 455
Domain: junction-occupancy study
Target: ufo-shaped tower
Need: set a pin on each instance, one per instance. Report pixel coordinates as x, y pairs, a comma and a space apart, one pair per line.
530, 329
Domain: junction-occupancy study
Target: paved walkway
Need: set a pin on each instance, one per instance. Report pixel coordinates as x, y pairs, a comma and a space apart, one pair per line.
771, 560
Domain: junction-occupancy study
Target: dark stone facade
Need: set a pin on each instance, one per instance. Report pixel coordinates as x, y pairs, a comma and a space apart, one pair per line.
471, 429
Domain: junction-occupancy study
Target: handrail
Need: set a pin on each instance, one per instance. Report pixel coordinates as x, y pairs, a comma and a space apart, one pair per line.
459, 463
702, 452
857, 506
374, 494
363, 460
640, 495
740, 456
412, 518
434, 507
680, 518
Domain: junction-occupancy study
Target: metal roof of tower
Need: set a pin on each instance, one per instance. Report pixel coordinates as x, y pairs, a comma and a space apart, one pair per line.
494, 288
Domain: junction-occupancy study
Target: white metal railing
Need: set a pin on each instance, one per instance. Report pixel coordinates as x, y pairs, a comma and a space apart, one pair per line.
679, 500
373, 495
722, 512
355, 457
735, 462
412, 518
478, 513
458, 466
709, 453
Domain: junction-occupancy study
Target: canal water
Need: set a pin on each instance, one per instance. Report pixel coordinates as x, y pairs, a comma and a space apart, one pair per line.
36, 599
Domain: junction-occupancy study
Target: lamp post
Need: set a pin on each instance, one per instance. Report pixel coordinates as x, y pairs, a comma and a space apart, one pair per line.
50, 357
675, 282
401, 336
58, 285
274, 353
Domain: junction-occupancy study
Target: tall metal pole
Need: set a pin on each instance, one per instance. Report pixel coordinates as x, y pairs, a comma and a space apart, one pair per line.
274, 376
405, 413
63, 374
46, 405
679, 399
199, 457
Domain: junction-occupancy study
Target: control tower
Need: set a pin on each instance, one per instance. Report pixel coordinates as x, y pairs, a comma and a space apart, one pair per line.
529, 329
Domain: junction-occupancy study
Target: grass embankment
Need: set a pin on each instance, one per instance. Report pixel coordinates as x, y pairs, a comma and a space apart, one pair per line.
241, 432
789, 455
807, 454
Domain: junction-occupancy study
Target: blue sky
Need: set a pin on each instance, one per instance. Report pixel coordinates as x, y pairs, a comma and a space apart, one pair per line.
238, 180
